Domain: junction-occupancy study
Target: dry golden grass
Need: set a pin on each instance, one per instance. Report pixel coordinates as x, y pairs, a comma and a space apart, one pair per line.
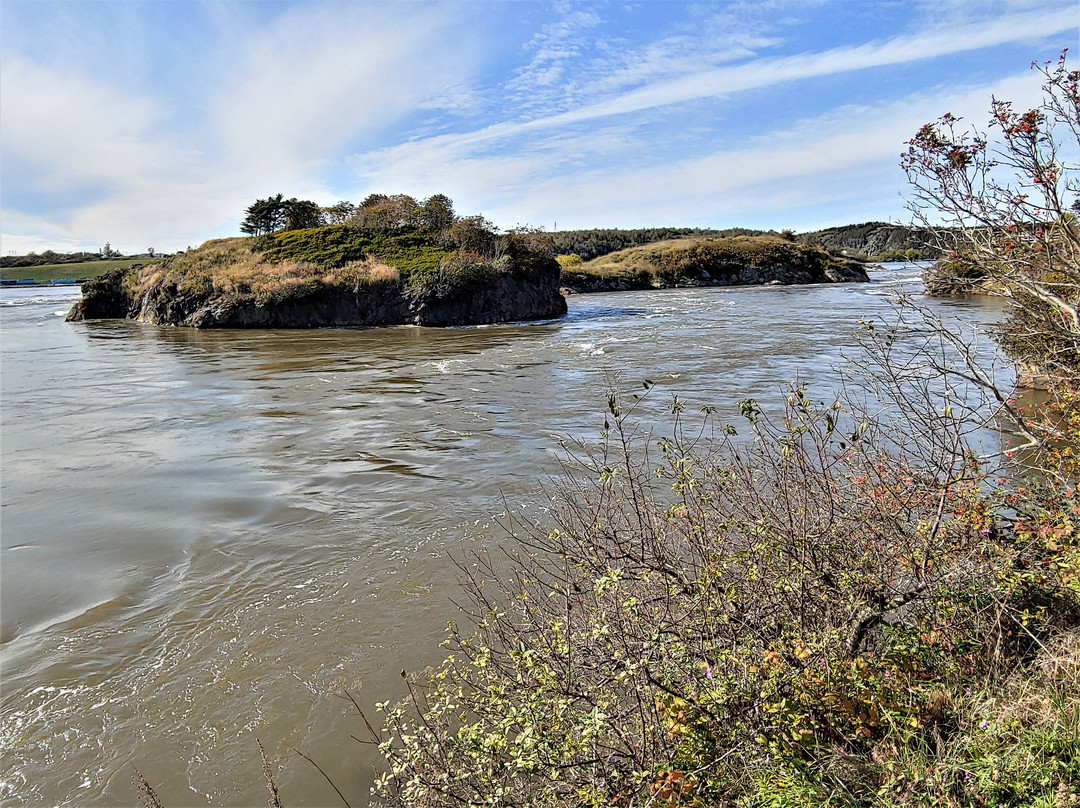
368, 272
231, 267
1045, 693
675, 253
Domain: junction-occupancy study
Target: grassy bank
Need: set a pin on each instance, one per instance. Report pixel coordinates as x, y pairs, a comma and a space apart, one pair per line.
85, 270
263, 268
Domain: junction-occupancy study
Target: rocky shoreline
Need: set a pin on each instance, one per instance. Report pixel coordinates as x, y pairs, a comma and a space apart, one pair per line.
776, 275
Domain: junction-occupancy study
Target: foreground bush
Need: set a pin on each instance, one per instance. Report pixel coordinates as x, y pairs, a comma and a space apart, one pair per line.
801, 618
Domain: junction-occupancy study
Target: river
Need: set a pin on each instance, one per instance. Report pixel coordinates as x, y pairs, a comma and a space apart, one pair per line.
206, 534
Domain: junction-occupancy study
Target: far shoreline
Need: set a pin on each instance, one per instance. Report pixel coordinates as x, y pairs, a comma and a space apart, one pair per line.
30, 283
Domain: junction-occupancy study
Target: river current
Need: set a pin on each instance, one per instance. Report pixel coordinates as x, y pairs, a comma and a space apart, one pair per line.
205, 535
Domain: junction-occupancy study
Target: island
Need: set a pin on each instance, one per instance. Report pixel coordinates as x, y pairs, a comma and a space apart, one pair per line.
710, 261
391, 261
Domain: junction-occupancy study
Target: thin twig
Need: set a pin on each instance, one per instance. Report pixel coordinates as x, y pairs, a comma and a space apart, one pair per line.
324, 774
147, 795
271, 786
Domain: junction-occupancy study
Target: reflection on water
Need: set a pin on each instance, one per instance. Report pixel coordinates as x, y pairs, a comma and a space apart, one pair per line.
206, 533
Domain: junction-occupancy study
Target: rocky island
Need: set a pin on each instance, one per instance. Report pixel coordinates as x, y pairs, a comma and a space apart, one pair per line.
710, 261
392, 262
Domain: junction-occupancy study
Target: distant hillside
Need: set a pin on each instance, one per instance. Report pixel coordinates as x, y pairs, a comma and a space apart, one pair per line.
878, 241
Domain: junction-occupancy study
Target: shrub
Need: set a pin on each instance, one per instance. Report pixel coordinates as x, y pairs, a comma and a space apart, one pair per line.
477, 234
461, 271
723, 621
1007, 198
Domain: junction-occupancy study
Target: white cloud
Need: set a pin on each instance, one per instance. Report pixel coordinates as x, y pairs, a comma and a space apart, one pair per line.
36, 234
319, 77
78, 137
74, 131
315, 79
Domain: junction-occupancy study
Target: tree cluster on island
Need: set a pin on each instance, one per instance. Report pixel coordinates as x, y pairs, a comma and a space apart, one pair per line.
377, 212
416, 237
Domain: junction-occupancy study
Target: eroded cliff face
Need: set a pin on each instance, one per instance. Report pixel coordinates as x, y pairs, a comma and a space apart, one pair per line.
529, 293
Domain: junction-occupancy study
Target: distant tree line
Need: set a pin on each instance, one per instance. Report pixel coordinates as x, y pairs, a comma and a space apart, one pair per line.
48, 257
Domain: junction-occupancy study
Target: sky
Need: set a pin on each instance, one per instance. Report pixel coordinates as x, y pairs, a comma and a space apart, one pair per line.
154, 123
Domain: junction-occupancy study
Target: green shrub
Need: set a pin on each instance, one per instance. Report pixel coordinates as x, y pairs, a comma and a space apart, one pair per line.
407, 250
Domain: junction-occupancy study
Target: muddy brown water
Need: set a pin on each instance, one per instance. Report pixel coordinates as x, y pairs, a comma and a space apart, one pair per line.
205, 534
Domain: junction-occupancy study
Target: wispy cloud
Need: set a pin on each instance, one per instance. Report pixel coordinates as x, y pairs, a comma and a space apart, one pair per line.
833, 151
761, 73
579, 134
319, 77
802, 163
311, 81
554, 48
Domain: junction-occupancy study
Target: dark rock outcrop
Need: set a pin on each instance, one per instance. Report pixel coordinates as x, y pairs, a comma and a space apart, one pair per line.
104, 298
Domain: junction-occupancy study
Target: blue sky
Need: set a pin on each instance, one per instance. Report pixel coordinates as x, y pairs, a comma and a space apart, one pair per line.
156, 123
